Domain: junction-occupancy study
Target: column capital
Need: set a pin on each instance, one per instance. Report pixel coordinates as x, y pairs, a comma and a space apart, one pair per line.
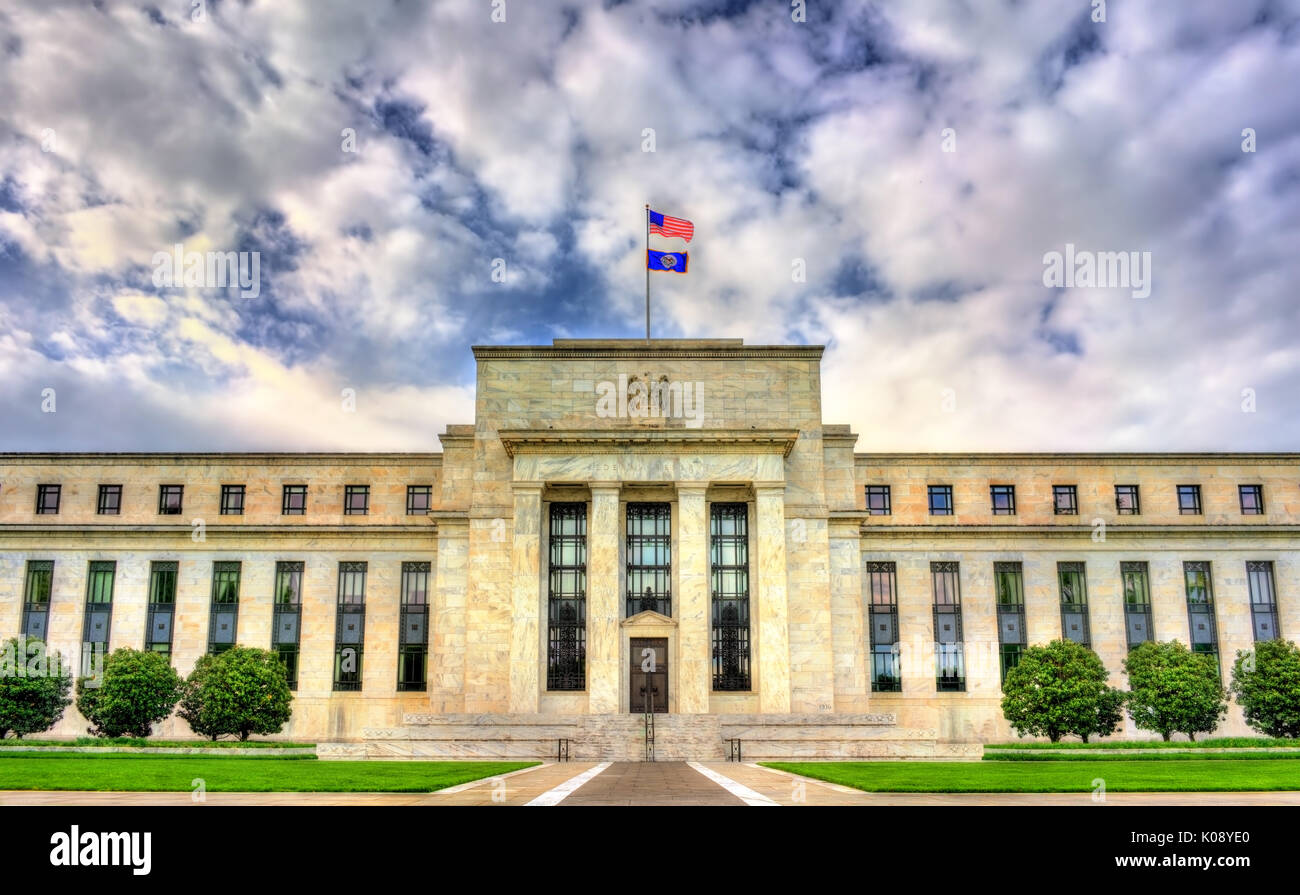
692, 488
604, 486
525, 487
778, 486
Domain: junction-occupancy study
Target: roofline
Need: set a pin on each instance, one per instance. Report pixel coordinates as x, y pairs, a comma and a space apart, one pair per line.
192, 456
656, 348
1117, 457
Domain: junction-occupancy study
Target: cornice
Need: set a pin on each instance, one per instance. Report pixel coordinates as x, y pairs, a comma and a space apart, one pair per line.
1049, 458
672, 349
1080, 531
197, 457
653, 441
211, 532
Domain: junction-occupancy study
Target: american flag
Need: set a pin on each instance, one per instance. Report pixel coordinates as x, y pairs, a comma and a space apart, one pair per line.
670, 226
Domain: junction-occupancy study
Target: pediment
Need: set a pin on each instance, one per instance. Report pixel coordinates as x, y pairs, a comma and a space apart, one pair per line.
648, 619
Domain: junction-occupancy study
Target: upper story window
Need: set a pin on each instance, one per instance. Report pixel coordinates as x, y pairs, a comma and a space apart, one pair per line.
169, 499
1074, 602
294, 502
1252, 499
1065, 500
1189, 500
1004, 499
232, 500
47, 498
649, 558
110, 500
878, 500
419, 499
941, 500
1126, 500
356, 500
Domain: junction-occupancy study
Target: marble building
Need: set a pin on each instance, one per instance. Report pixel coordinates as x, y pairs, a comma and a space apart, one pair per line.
633, 526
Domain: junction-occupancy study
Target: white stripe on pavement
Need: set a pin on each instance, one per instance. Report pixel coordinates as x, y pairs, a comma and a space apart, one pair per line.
740, 791
560, 793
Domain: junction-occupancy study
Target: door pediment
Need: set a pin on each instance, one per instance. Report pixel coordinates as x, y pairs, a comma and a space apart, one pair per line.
648, 619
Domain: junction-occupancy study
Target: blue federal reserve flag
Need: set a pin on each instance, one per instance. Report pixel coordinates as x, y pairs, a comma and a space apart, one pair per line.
667, 262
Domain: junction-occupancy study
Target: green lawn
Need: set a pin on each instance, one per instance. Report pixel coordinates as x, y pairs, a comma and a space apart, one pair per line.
1047, 755
165, 773
1203, 775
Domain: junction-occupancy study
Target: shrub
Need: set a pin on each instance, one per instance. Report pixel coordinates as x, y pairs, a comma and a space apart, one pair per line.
1267, 687
34, 687
1061, 689
136, 689
239, 692
1172, 689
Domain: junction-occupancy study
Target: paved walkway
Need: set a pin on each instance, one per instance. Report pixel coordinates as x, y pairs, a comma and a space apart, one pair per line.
651, 783
641, 783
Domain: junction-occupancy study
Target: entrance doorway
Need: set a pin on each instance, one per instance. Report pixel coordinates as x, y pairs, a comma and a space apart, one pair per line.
649, 674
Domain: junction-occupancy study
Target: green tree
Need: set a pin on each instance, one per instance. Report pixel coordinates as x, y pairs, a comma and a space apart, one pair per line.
1174, 690
1266, 685
1058, 690
34, 687
134, 690
240, 692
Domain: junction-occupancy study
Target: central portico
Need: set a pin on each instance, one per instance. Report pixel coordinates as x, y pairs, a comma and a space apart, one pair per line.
695, 456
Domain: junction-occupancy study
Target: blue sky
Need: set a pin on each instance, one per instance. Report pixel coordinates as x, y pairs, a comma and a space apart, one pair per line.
127, 128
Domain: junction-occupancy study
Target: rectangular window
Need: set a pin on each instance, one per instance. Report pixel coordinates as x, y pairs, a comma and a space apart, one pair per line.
1009, 586
47, 498
169, 499
649, 558
878, 500
1252, 499
566, 599
232, 500
1004, 499
99, 603
110, 500
1074, 602
413, 654
162, 607
949, 658
1137, 603
350, 626
286, 629
356, 500
97, 623
1263, 602
36, 597
883, 618
941, 500
1189, 500
224, 620
1127, 502
294, 501
1065, 500
729, 574
1200, 608
419, 499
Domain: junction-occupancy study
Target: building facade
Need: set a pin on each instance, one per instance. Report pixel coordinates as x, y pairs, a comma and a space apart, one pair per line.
632, 526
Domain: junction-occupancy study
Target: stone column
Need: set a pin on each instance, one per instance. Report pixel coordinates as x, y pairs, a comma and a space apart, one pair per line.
526, 597
692, 600
602, 600
447, 627
768, 571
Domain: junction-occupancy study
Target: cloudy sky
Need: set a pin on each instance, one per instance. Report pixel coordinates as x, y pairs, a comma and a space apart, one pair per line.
127, 127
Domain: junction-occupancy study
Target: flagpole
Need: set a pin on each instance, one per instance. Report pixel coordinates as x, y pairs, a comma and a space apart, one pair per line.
647, 272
